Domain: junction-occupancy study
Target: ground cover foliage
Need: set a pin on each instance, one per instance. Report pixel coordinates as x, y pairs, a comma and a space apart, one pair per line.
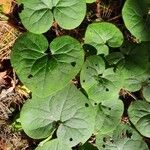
89, 76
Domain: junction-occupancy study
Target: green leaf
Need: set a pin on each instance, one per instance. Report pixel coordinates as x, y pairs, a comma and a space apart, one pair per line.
54, 145
70, 13
135, 144
68, 110
139, 113
114, 58
90, 1
88, 146
146, 92
143, 125
104, 34
136, 57
138, 109
133, 69
100, 84
109, 115
38, 15
42, 70
136, 16
122, 138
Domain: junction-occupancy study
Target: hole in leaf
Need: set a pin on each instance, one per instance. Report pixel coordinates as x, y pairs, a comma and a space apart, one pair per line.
129, 134
30, 76
100, 75
87, 67
103, 146
86, 105
112, 141
95, 104
71, 139
83, 80
107, 90
96, 64
109, 108
73, 64
123, 134
104, 139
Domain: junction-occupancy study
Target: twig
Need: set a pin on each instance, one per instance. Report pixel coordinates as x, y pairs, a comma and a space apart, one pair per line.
114, 18
98, 14
133, 96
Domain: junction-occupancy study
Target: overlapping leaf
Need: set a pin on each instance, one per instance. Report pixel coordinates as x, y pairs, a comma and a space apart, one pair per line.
102, 36
122, 138
136, 16
133, 69
46, 70
88, 146
100, 84
109, 115
114, 58
53, 145
139, 113
68, 110
38, 15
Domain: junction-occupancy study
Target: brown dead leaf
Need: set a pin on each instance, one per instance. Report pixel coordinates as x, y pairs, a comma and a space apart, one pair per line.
7, 84
6, 6
3, 76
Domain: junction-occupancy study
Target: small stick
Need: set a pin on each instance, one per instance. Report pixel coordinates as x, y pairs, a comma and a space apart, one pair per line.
114, 18
98, 14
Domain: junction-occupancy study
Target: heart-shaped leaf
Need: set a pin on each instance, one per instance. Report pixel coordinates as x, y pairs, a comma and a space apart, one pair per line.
140, 53
104, 34
122, 138
46, 70
133, 69
53, 145
38, 15
100, 84
139, 113
68, 110
136, 16
70, 13
109, 115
